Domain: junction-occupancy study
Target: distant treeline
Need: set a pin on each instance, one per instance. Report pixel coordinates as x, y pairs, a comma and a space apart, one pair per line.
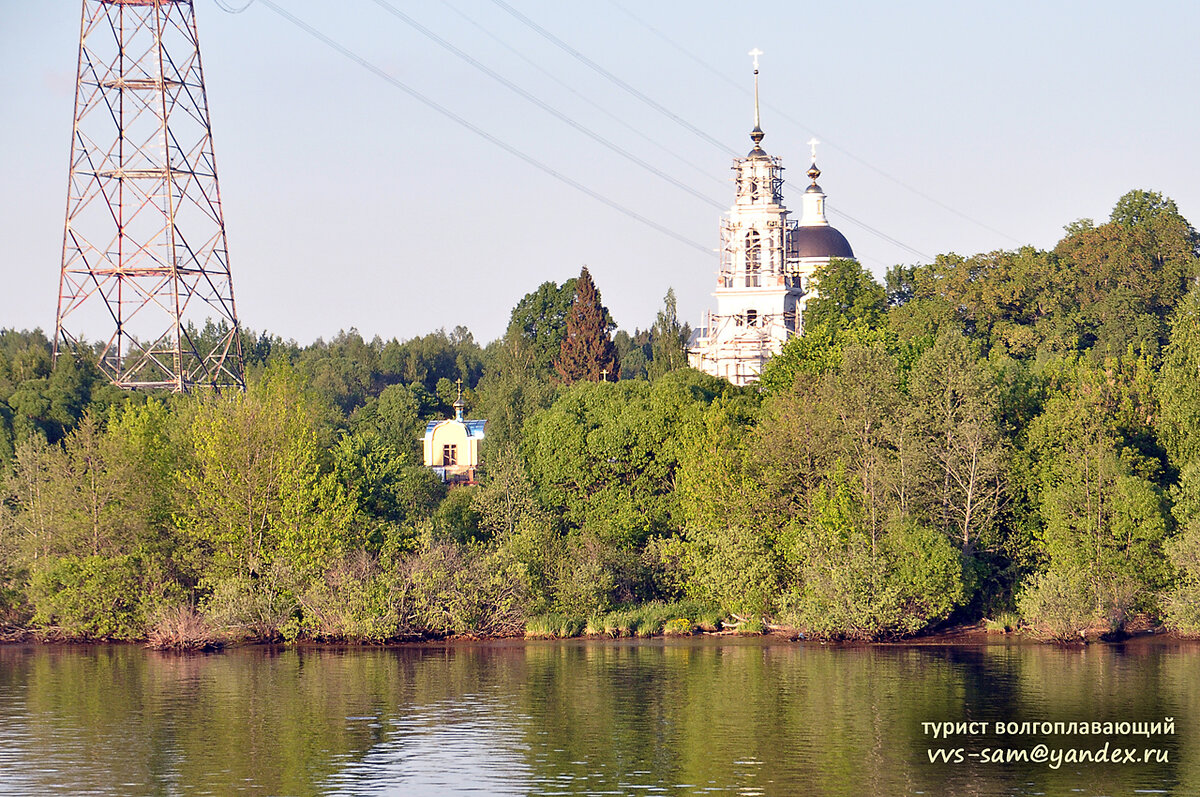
1012, 436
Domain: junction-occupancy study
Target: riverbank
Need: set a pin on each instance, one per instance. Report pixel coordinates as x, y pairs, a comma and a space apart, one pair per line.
662, 622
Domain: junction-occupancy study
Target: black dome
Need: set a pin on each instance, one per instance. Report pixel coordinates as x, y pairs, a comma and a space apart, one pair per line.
818, 242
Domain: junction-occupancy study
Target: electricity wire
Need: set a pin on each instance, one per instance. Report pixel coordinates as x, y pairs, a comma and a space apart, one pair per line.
583, 59
429, 34
230, 10
452, 116
741, 88
884, 236
622, 84
703, 171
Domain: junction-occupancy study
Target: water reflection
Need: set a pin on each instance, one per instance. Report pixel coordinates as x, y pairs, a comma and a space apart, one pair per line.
676, 717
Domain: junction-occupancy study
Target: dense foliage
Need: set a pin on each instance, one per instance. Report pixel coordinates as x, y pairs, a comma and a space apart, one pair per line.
1014, 431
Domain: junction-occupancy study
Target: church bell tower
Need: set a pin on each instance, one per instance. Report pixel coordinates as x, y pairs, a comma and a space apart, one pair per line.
767, 265
757, 294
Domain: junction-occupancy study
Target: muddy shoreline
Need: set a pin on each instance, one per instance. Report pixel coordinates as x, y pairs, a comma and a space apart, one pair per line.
972, 635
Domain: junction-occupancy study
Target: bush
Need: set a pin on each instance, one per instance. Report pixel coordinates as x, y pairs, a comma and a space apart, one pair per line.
353, 601
245, 607
655, 617
456, 518
1002, 623
734, 567
593, 574
1182, 601
709, 620
853, 587
89, 597
619, 623
753, 626
1183, 607
1057, 605
182, 628
446, 588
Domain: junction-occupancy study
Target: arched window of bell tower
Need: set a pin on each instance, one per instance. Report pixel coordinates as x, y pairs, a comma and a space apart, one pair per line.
753, 258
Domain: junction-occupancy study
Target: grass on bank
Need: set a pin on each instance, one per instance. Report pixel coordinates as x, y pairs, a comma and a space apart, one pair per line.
1002, 623
650, 619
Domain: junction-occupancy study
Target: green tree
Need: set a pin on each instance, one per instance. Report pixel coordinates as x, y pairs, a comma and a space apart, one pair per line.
1104, 519
856, 583
955, 407
846, 293
817, 351
1178, 388
729, 548
669, 339
1178, 392
604, 456
634, 353
253, 487
538, 324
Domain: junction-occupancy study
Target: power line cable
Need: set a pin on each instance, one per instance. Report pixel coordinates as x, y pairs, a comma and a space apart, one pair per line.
429, 34
536, 28
231, 10
584, 59
879, 234
784, 115
703, 171
380, 73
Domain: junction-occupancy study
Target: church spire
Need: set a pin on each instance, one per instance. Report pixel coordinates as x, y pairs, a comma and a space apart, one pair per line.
756, 135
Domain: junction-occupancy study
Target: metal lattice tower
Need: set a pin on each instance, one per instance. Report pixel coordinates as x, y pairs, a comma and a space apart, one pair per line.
144, 253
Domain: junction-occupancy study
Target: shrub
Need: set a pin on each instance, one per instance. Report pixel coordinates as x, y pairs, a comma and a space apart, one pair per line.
448, 588
1002, 623
1057, 605
244, 607
709, 620
1183, 607
855, 585
182, 628
753, 626
619, 623
89, 597
353, 601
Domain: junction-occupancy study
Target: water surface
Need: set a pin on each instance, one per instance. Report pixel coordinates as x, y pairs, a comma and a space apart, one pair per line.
698, 716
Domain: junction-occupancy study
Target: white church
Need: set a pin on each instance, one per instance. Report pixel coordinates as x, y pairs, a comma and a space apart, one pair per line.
767, 265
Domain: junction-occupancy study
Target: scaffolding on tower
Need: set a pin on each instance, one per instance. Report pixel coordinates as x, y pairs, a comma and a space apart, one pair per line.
145, 267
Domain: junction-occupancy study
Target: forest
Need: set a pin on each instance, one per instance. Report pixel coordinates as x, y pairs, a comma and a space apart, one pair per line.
1010, 438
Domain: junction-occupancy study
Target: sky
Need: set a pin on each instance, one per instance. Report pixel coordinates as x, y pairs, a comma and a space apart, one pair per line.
348, 203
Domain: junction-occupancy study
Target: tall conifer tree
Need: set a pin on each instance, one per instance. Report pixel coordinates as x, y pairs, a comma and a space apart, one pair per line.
587, 351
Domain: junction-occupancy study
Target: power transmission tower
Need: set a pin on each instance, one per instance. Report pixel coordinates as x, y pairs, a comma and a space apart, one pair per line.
144, 252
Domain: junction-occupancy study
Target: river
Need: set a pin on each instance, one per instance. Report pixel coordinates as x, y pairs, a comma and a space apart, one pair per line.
693, 716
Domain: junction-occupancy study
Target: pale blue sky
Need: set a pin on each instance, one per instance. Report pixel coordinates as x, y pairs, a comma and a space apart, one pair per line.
348, 204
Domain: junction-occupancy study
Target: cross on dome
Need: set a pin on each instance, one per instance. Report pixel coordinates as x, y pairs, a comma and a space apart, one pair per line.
459, 405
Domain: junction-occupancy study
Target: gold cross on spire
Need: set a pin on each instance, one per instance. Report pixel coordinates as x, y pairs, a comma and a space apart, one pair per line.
757, 124
812, 144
